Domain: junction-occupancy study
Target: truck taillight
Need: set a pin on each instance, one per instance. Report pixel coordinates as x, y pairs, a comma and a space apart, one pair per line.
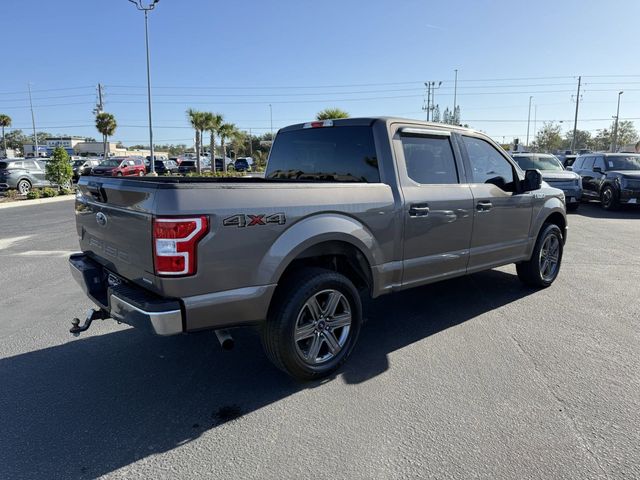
318, 124
175, 242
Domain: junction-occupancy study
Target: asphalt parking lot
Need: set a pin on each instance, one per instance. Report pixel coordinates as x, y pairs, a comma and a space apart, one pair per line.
474, 377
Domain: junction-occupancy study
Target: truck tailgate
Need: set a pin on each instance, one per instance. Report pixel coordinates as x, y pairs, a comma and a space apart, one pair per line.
114, 223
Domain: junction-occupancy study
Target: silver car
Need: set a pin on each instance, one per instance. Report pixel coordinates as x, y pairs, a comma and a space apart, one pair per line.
22, 174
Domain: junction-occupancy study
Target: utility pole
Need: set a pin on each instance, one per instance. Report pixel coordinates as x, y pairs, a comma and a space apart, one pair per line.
535, 117
529, 121
455, 92
575, 121
100, 102
614, 144
33, 123
431, 96
426, 106
271, 118
250, 144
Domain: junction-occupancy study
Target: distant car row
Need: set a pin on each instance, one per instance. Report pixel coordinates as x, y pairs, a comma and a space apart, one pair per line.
612, 178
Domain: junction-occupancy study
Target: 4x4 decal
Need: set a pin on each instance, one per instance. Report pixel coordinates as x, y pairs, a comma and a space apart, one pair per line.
242, 220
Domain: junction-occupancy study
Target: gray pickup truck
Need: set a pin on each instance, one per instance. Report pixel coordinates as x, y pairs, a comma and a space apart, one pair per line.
347, 208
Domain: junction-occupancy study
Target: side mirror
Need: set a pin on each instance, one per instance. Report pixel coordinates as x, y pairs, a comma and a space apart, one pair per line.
569, 168
597, 169
532, 180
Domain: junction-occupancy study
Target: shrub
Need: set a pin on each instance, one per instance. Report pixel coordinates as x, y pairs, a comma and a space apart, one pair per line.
58, 169
33, 194
66, 191
12, 194
49, 192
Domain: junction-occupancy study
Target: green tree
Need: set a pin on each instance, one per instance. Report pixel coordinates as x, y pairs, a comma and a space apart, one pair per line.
583, 140
214, 121
198, 121
226, 131
331, 113
5, 121
626, 133
58, 170
16, 139
106, 125
548, 138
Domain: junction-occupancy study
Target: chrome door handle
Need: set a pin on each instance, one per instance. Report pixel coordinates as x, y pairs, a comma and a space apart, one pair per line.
484, 206
419, 210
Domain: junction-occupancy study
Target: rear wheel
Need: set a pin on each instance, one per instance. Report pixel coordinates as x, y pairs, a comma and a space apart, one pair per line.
24, 186
119, 174
544, 265
609, 198
313, 324
141, 173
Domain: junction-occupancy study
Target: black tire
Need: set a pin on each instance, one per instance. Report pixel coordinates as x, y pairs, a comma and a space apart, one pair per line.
572, 207
609, 198
531, 272
24, 186
289, 307
119, 174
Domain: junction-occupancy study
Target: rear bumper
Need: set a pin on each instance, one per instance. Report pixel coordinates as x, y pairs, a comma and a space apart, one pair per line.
4, 186
141, 308
125, 303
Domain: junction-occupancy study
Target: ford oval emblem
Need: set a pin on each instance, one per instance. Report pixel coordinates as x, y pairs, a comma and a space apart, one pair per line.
101, 218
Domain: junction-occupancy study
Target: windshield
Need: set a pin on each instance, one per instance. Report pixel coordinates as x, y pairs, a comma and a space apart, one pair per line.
540, 162
77, 163
110, 163
626, 162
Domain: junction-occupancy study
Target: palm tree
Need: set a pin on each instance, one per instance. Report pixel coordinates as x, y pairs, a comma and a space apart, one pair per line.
199, 122
331, 113
238, 141
226, 131
106, 125
214, 121
5, 121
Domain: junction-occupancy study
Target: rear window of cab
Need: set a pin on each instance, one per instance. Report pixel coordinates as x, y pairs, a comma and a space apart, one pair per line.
343, 154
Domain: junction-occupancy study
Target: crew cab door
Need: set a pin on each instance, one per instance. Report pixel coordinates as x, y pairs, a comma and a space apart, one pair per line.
501, 213
437, 207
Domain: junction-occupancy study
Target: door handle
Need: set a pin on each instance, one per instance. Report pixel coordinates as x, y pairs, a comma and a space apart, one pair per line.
419, 210
484, 206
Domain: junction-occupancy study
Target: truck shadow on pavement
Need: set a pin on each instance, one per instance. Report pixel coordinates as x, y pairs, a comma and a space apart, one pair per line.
594, 210
96, 404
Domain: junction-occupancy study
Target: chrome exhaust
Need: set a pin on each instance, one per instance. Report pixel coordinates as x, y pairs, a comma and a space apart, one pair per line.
225, 339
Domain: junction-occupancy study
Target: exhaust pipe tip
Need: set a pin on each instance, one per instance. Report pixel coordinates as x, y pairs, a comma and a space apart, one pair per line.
226, 340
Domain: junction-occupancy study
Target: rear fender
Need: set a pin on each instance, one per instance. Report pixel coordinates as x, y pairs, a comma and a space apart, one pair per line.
313, 231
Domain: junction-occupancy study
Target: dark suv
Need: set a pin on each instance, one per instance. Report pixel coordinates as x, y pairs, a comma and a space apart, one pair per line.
554, 174
612, 178
83, 167
22, 174
164, 167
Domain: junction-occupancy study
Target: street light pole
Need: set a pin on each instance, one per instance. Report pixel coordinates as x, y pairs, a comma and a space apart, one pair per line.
529, 120
146, 10
614, 144
271, 118
33, 123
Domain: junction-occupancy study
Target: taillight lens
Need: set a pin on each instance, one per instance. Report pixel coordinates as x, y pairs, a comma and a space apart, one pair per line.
175, 242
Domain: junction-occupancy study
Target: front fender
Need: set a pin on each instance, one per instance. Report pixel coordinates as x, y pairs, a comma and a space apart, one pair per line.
549, 206
313, 231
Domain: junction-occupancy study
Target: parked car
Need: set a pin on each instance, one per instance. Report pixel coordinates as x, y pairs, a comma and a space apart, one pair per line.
612, 178
554, 174
348, 207
120, 166
242, 165
83, 167
22, 174
187, 166
163, 167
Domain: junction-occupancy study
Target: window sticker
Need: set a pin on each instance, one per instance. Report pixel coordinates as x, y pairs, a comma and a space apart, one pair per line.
610, 164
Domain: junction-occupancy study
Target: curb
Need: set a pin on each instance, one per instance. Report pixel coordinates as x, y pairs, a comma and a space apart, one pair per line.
37, 201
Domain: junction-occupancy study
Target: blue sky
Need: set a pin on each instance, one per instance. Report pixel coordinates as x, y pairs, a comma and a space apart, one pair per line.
366, 57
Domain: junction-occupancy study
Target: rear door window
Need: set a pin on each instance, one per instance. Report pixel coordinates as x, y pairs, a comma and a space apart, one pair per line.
429, 160
345, 154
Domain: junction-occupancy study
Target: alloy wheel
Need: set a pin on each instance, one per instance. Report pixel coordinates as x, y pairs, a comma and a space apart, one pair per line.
322, 327
549, 257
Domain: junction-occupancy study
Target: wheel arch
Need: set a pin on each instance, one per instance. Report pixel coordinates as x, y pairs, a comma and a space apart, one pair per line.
333, 241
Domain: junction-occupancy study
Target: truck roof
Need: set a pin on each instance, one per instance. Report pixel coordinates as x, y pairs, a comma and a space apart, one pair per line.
368, 121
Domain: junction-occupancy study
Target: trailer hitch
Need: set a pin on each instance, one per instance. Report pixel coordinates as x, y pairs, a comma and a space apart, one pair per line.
92, 314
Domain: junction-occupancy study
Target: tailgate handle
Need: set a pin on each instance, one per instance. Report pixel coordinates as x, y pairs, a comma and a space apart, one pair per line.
97, 192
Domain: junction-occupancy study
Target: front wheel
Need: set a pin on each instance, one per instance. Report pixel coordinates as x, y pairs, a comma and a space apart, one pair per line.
544, 265
313, 324
609, 198
23, 186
